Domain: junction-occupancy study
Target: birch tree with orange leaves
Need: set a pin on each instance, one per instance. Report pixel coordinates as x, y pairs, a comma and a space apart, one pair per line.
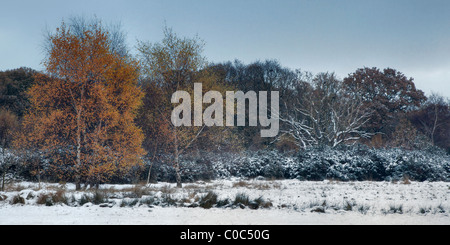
82, 111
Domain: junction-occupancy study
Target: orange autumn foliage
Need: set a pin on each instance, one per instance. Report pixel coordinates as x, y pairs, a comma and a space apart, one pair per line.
82, 112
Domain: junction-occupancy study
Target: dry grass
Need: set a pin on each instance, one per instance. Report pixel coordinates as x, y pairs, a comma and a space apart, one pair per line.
267, 185
17, 199
263, 185
168, 189
191, 187
11, 187
241, 183
406, 180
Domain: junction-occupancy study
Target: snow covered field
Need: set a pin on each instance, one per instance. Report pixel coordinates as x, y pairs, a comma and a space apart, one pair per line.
236, 202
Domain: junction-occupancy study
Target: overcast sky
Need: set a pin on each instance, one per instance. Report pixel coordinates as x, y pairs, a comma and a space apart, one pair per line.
412, 36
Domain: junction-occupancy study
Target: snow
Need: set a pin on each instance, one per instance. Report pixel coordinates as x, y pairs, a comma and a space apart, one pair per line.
292, 203
94, 215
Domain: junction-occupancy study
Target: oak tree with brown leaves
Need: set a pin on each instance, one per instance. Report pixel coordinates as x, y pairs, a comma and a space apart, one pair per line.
387, 93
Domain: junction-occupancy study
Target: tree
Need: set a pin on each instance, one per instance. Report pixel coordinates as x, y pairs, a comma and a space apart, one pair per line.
155, 127
266, 75
82, 111
386, 93
8, 127
404, 136
174, 64
13, 86
433, 120
79, 25
326, 114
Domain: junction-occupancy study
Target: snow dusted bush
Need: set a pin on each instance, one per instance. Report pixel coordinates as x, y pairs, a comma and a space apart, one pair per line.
347, 163
362, 163
356, 163
267, 164
431, 165
314, 164
251, 164
192, 168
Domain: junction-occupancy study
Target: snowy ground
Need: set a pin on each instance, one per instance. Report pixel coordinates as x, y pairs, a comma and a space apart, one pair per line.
289, 202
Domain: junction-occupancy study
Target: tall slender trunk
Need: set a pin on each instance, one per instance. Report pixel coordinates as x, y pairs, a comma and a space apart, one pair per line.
435, 123
177, 171
151, 164
39, 174
177, 161
79, 111
149, 172
3, 180
5, 168
78, 159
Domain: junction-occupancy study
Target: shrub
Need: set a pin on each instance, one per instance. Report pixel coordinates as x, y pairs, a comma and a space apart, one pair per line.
129, 202
363, 209
348, 206
424, 210
98, 198
17, 199
60, 197
169, 200
241, 198
396, 209
345, 163
261, 203
223, 202
147, 201
84, 199
3, 198
209, 200
44, 199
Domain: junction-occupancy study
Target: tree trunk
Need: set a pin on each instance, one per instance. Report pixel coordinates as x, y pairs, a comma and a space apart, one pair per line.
151, 164
435, 123
149, 172
78, 110
3, 180
177, 162
78, 160
5, 168
177, 171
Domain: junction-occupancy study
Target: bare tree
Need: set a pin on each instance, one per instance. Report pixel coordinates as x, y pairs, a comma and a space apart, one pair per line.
172, 65
433, 120
437, 104
80, 24
327, 114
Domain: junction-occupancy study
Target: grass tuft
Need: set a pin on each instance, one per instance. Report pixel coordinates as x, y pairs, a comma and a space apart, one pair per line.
209, 200
17, 199
241, 198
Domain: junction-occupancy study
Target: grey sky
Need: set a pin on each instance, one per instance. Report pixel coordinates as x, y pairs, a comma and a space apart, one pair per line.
411, 36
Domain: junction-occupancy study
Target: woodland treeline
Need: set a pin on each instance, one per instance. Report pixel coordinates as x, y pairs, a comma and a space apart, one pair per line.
99, 114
